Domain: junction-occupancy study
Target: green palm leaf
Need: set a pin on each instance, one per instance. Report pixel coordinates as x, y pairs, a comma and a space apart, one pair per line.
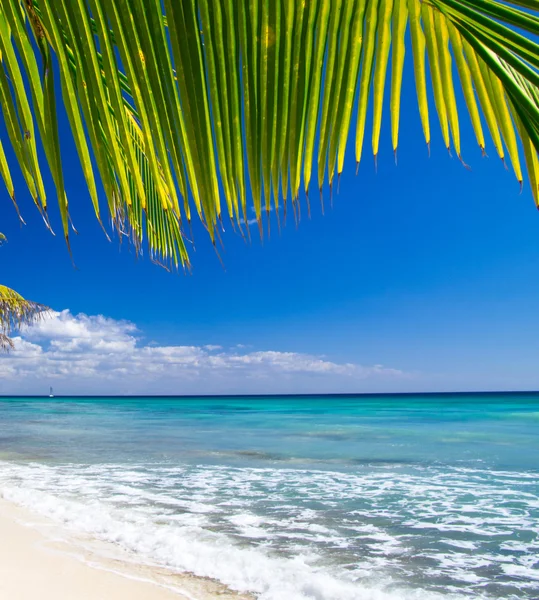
210, 104
16, 312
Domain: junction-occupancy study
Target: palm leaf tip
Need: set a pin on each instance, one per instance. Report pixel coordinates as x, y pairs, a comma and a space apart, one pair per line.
15, 313
6, 343
189, 109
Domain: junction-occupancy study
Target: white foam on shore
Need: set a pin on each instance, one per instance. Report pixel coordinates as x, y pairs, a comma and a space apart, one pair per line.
205, 521
205, 554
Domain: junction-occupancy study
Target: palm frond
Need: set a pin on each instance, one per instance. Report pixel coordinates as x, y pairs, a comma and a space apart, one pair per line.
6, 343
16, 312
211, 104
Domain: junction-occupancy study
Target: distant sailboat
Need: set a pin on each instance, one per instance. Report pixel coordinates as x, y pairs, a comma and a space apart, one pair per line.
51, 395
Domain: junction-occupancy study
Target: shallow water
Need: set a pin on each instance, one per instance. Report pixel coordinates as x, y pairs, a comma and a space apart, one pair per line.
329, 498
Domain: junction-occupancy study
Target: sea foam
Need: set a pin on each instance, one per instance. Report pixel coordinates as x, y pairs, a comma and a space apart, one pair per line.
274, 532
206, 554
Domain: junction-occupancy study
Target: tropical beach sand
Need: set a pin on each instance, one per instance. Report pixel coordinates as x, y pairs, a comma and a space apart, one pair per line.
35, 562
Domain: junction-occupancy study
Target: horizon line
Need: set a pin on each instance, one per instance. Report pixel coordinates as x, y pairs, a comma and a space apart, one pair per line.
282, 395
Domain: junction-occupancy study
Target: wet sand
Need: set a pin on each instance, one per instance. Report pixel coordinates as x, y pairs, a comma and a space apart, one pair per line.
38, 562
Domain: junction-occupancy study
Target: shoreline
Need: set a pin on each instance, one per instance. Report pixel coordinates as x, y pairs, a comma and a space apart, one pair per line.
36, 561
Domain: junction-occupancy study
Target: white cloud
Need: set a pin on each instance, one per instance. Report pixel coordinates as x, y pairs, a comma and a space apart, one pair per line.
254, 220
96, 354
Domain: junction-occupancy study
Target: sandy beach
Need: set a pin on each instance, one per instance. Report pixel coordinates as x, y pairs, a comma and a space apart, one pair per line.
35, 562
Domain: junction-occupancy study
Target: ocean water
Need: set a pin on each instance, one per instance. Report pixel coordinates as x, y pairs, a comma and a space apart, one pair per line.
428, 497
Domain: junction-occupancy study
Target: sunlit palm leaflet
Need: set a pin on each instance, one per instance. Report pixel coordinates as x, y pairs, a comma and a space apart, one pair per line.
214, 107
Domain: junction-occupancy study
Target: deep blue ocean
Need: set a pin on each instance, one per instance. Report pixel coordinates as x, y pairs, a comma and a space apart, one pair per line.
323, 498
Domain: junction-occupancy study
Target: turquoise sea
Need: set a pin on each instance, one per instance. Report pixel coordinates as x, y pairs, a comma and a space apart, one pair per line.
323, 498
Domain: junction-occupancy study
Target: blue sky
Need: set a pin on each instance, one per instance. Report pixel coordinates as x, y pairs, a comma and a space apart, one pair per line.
426, 268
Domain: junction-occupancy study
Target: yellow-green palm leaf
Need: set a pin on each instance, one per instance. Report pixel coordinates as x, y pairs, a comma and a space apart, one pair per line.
16, 312
207, 105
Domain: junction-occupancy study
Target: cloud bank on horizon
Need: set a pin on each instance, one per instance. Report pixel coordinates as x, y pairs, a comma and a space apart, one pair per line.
84, 354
